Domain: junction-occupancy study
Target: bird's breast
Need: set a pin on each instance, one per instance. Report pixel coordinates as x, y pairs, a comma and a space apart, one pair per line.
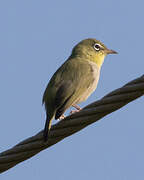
95, 71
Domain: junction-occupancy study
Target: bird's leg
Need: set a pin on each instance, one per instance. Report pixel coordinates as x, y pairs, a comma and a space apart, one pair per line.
62, 117
77, 109
73, 111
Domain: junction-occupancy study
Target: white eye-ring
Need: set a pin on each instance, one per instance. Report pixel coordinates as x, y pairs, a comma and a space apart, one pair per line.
97, 47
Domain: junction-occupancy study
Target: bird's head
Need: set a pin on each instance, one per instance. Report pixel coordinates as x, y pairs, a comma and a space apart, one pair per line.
92, 50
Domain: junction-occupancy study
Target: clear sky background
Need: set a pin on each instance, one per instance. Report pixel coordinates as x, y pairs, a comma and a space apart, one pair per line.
36, 37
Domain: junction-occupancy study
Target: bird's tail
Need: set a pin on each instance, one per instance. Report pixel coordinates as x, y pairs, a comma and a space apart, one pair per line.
47, 128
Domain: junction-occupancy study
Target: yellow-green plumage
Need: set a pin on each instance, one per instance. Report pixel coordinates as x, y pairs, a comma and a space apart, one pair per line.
75, 80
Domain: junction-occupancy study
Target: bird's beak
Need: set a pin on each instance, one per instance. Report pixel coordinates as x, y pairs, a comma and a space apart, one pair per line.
110, 51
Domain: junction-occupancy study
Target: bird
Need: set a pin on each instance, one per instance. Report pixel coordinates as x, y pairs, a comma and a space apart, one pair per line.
75, 80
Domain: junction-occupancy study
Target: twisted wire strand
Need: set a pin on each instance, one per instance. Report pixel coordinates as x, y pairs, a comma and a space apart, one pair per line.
73, 123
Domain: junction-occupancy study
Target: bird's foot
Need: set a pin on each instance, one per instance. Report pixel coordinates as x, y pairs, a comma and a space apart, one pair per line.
77, 109
62, 117
74, 111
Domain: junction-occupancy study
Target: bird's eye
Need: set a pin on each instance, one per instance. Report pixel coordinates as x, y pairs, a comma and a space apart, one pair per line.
97, 47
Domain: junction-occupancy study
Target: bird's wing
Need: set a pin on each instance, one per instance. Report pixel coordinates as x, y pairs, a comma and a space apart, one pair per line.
76, 78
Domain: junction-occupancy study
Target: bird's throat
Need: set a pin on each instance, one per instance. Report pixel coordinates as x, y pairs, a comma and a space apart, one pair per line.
99, 60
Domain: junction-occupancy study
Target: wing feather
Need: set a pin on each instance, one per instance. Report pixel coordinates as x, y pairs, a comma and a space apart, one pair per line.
72, 87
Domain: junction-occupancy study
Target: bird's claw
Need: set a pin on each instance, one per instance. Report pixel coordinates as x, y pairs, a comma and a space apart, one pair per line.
62, 117
74, 111
77, 109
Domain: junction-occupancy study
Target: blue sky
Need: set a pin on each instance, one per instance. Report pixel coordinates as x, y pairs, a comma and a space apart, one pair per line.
36, 37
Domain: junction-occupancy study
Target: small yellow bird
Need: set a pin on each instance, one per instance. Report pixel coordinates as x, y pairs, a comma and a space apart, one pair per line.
75, 80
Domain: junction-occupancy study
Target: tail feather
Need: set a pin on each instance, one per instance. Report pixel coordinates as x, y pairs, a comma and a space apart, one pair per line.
47, 128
